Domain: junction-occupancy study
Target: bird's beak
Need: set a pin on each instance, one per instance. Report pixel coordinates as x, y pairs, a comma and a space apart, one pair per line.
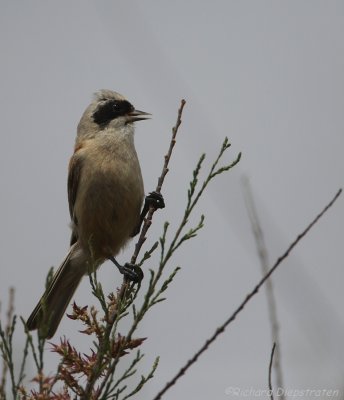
137, 115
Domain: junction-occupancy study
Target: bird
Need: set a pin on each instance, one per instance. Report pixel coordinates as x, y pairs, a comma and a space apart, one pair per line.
105, 195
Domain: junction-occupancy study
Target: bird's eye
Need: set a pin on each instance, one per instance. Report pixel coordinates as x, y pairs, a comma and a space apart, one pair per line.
111, 110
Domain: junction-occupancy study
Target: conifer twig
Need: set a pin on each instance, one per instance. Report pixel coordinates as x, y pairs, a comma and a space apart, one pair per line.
148, 220
126, 287
255, 290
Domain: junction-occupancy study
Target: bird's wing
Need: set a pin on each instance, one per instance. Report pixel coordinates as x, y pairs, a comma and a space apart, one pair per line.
75, 169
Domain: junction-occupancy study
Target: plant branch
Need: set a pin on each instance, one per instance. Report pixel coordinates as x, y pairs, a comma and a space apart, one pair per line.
148, 220
255, 290
264, 262
6, 346
270, 371
127, 288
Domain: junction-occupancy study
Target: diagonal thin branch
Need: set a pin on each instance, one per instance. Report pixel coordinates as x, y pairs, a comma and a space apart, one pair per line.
255, 290
270, 371
125, 288
161, 179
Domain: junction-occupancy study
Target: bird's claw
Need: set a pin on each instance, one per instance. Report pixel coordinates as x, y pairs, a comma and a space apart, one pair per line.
155, 199
131, 272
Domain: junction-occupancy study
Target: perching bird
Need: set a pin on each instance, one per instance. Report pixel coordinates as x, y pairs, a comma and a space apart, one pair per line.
105, 194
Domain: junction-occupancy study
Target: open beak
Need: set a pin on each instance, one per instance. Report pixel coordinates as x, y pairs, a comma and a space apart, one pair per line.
137, 115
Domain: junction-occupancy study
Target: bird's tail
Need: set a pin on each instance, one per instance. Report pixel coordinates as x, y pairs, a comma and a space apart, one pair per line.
50, 309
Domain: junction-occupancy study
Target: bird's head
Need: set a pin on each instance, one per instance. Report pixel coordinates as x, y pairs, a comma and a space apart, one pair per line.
109, 110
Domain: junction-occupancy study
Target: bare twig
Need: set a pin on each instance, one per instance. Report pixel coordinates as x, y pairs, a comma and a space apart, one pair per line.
148, 220
264, 262
123, 292
270, 371
7, 332
255, 290
10, 310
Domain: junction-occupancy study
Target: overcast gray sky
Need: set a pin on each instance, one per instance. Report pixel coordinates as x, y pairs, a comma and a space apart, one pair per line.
267, 74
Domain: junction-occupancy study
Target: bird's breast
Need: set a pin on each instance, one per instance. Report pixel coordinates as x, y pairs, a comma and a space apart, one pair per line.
109, 197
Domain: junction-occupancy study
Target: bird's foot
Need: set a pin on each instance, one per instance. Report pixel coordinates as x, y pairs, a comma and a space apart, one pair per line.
131, 272
154, 199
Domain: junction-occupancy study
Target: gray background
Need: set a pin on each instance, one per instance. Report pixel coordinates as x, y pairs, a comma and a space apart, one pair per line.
269, 75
